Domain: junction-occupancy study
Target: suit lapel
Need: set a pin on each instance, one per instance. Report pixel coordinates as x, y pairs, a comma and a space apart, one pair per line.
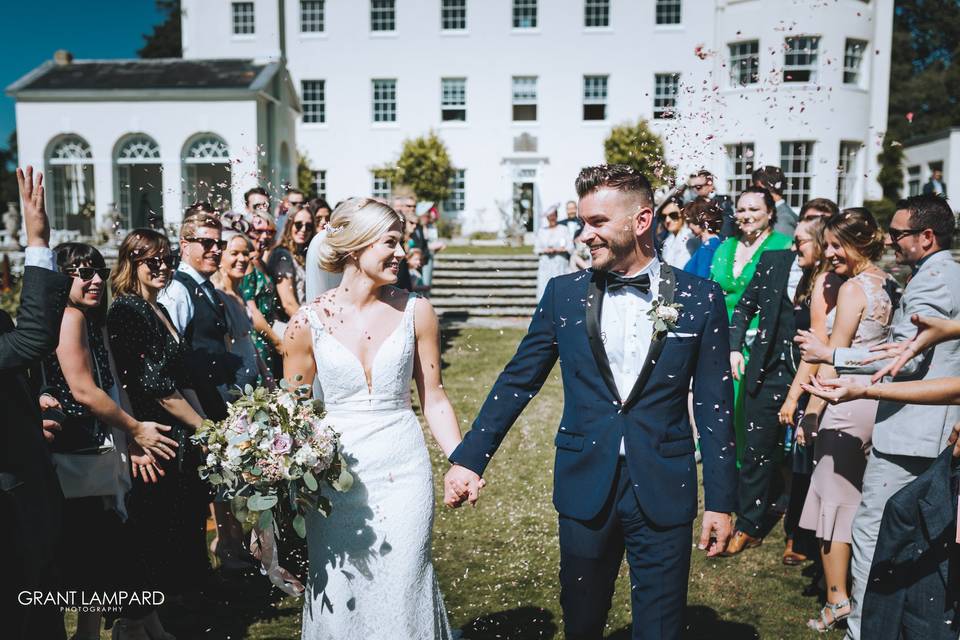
668, 283
595, 291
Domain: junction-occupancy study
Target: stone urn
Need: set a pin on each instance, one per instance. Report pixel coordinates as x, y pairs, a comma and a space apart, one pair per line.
11, 224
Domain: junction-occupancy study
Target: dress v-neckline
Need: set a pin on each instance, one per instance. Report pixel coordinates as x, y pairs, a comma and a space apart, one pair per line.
373, 363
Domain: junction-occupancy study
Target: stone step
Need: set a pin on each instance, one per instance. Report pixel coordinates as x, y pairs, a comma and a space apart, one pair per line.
471, 257
440, 281
483, 302
474, 291
509, 312
486, 265
493, 273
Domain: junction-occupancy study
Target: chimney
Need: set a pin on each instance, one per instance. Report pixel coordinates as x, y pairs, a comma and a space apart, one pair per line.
62, 57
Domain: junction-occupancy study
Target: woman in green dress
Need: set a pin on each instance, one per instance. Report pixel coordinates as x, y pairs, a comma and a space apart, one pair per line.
260, 292
733, 267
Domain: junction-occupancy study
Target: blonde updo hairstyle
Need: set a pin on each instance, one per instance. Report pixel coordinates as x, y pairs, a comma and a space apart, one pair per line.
356, 223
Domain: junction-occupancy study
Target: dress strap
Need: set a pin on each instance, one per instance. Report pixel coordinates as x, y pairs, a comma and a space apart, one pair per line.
311, 314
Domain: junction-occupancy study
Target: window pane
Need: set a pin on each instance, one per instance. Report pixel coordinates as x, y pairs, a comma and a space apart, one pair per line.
596, 13
453, 15
665, 89
243, 18
744, 63
458, 193
383, 15
313, 101
320, 183
524, 98
595, 97
796, 161
853, 60
382, 188
800, 60
739, 167
311, 16
524, 14
668, 11
453, 99
847, 172
384, 100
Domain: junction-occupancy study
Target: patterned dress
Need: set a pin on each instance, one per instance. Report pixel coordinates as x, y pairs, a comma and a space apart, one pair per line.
259, 287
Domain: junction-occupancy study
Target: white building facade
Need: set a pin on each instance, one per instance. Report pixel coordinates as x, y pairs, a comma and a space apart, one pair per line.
935, 152
524, 92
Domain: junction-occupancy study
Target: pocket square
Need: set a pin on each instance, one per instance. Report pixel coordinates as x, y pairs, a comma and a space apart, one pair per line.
681, 334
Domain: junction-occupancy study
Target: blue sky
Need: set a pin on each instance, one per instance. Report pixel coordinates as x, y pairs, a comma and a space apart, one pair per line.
88, 29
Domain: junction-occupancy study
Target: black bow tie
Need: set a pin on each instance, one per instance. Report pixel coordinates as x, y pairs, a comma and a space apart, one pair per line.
616, 281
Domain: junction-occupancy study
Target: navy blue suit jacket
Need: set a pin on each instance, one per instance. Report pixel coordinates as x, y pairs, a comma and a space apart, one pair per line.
652, 420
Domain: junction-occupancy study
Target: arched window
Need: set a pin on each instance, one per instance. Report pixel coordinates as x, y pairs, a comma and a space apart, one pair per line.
139, 181
70, 184
206, 171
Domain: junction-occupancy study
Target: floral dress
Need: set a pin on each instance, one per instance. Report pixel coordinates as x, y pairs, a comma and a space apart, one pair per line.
721, 272
259, 287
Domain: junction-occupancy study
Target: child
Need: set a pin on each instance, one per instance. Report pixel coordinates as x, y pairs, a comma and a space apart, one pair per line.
415, 263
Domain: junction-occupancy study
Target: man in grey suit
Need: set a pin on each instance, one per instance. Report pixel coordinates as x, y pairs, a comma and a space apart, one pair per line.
907, 438
772, 179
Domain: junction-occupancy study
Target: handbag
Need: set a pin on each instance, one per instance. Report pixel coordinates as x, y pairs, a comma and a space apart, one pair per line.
89, 463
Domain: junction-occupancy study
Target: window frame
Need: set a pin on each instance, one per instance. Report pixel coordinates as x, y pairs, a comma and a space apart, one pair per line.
386, 12
601, 9
740, 165
663, 9
812, 67
522, 8
386, 108
522, 101
318, 178
594, 98
661, 111
859, 71
455, 204
445, 10
381, 187
795, 196
320, 101
319, 20
451, 106
735, 60
847, 172
238, 21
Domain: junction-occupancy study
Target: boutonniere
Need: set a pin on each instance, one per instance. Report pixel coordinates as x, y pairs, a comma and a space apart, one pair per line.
664, 316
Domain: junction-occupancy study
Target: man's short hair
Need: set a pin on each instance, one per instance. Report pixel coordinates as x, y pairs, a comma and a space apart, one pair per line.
293, 190
823, 205
620, 177
931, 212
199, 207
250, 192
705, 213
191, 223
704, 173
770, 178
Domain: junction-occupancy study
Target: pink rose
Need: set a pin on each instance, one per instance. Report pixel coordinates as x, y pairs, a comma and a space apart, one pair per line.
240, 425
281, 443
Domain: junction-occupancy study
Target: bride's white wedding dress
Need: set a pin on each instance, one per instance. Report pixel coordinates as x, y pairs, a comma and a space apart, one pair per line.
371, 574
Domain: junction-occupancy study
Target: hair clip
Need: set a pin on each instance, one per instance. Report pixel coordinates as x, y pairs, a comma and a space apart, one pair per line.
331, 231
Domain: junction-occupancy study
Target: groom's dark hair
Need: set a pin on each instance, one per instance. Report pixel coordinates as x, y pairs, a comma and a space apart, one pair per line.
621, 177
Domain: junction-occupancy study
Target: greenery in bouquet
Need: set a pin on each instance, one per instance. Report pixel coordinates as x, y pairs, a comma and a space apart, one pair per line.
272, 455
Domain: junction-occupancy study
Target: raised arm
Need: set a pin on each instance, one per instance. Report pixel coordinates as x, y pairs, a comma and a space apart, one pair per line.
937, 391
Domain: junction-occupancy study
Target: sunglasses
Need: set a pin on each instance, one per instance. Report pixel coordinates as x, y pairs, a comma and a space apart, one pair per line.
303, 225
87, 273
208, 243
675, 215
154, 263
799, 242
897, 234
261, 206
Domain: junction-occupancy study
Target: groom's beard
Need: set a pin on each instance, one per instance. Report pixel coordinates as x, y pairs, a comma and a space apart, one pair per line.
612, 253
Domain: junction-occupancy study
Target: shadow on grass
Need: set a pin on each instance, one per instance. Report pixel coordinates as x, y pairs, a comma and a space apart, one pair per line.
448, 333
703, 623
523, 623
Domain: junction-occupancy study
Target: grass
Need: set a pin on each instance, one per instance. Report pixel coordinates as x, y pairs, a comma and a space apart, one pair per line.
498, 563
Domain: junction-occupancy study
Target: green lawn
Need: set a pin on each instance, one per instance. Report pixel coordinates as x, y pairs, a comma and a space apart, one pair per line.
498, 563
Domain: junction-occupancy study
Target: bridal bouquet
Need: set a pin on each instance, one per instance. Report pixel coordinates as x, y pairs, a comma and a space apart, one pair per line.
271, 456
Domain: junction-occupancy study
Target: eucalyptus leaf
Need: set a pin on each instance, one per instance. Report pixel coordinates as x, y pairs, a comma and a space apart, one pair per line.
310, 481
344, 481
259, 502
266, 517
300, 525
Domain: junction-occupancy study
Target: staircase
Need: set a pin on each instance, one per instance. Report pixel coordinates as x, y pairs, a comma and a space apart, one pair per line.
484, 286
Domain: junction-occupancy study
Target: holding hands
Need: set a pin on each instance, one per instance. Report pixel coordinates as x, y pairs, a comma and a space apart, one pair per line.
461, 485
836, 390
812, 349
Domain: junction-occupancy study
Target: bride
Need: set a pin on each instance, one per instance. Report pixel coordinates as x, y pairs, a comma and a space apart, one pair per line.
371, 573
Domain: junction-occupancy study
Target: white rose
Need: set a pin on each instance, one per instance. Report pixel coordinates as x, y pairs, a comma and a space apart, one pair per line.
668, 314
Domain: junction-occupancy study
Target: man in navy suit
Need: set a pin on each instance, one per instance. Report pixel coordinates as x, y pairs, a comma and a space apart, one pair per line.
625, 478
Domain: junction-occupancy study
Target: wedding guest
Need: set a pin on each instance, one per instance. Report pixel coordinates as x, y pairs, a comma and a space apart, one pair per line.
415, 261
30, 496
293, 201
769, 297
257, 201
815, 298
81, 375
317, 280
772, 179
680, 243
167, 520
197, 314
427, 216
259, 290
554, 246
862, 317
733, 267
321, 212
935, 186
572, 222
703, 185
818, 208
705, 219
906, 438
287, 262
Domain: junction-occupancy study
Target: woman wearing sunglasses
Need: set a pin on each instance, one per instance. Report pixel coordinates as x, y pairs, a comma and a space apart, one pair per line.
167, 520
679, 244
90, 449
288, 260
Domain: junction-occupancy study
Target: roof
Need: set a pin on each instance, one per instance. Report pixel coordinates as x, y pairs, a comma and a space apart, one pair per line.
51, 80
931, 137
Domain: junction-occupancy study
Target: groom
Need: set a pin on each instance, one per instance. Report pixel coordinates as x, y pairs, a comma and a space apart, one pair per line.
625, 478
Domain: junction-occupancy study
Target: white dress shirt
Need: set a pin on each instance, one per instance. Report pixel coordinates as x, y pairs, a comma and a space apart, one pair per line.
626, 330
793, 280
177, 301
42, 257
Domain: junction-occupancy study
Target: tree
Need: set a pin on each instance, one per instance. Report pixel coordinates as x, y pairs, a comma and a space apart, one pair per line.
165, 40
891, 168
9, 191
305, 176
424, 166
639, 147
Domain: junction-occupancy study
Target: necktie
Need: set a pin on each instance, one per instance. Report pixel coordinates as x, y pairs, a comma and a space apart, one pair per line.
211, 292
616, 281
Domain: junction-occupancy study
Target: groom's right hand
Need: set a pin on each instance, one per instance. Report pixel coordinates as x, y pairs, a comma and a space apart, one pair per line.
461, 485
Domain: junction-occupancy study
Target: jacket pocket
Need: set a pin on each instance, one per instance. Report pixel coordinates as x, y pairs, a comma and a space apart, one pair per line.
674, 448
569, 441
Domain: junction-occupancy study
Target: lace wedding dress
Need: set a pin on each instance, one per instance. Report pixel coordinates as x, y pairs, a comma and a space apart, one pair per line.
371, 574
